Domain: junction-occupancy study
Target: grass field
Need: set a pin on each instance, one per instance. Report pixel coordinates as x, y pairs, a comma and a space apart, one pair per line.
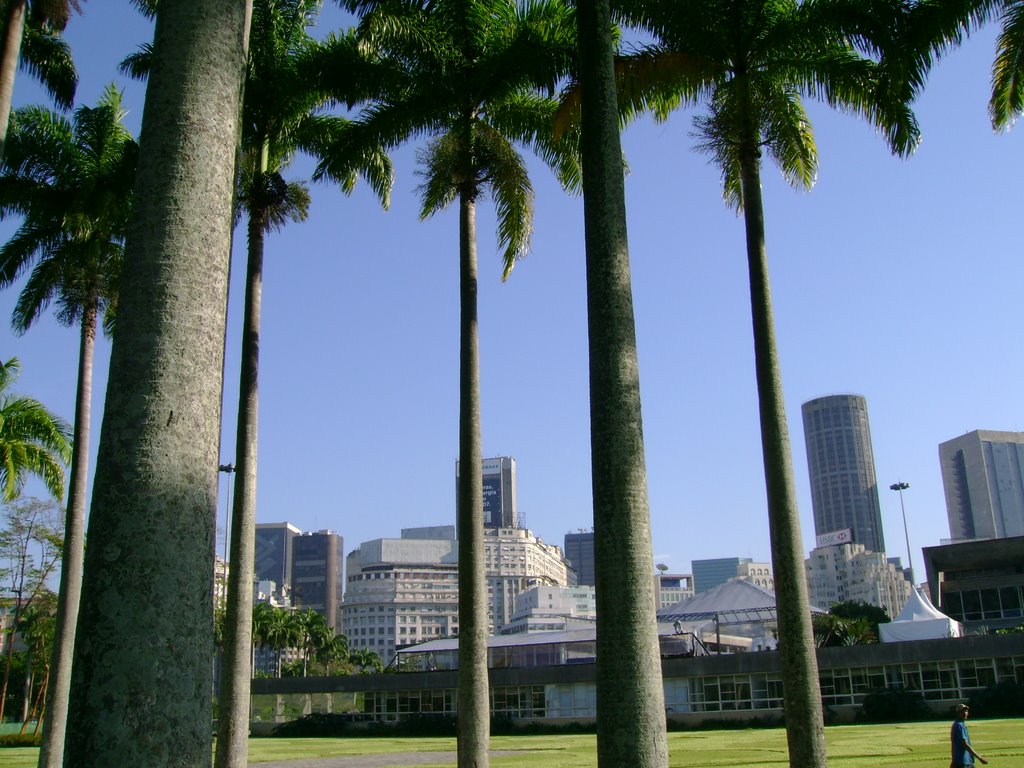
907, 745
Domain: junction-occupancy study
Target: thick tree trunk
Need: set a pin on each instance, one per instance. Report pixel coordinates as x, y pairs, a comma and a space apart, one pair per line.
630, 697
236, 674
141, 682
10, 55
805, 730
51, 755
474, 711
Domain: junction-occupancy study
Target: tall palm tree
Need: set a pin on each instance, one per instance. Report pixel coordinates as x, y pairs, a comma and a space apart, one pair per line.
630, 697
752, 62
72, 184
30, 36
468, 75
141, 681
33, 441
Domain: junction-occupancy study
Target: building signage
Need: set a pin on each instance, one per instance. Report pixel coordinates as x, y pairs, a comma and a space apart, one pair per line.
845, 536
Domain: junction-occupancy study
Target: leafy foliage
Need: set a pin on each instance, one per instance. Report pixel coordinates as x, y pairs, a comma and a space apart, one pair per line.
894, 705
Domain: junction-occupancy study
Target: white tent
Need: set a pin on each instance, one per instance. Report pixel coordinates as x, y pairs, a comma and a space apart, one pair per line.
919, 620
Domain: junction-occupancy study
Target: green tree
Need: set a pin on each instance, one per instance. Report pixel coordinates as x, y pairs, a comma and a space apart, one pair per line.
751, 62
37, 630
1007, 102
469, 76
30, 545
630, 713
142, 674
30, 36
366, 660
72, 185
33, 441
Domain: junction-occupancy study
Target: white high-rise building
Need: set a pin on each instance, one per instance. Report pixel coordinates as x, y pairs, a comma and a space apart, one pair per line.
848, 572
983, 478
549, 609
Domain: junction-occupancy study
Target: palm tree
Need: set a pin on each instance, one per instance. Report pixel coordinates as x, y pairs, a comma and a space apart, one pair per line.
334, 650
280, 117
1007, 102
154, 493
31, 37
33, 441
752, 61
466, 74
630, 697
72, 183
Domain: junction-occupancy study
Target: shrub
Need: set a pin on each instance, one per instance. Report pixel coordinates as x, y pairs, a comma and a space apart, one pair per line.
20, 740
894, 705
1004, 699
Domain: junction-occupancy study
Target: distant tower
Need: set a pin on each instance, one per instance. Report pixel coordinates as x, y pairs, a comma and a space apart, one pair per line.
983, 477
844, 492
318, 564
499, 478
579, 551
274, 552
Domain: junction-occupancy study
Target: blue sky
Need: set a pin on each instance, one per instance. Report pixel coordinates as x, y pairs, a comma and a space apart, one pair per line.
896, 279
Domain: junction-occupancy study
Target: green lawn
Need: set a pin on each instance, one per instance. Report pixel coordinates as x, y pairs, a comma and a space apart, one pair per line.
910, 745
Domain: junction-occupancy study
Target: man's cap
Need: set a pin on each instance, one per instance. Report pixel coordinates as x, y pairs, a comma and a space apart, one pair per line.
962, 708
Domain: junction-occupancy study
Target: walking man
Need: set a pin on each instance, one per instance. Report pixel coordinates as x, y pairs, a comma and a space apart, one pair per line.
962, 752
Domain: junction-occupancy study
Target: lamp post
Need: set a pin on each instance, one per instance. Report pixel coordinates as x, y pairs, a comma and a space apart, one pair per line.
229, 470
901, 487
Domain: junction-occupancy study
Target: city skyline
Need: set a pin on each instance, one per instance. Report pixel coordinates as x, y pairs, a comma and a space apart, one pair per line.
359, 349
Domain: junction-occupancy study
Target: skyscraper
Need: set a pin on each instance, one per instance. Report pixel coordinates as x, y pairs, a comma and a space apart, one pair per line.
983, 478
274, 553
844, 491
499, 478
579, 551
318, 562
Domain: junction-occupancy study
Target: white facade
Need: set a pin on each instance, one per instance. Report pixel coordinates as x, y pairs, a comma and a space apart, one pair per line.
848, 572
671, 588
552, 609
759, 574
403, 591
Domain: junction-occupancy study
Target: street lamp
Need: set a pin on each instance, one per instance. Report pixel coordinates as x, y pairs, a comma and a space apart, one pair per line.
901, 487
228, 469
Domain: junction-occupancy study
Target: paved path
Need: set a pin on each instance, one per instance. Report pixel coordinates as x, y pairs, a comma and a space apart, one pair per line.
390, 760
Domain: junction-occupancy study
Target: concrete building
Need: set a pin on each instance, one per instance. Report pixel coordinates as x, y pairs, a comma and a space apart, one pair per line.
403, 591
317, 577
499, 479
711, 573
978, 583
274, 552
552, 609
579, 551
983, 478
516, 560
848, 572
841, 464
670, 588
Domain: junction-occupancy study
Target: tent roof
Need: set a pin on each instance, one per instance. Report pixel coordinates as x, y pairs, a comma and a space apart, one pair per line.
736, 601
919, 608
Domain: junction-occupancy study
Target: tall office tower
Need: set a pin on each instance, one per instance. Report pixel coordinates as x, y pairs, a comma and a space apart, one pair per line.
579, 551
708, 574
499, 476
274, 553
844, 492
983, 477
318, 560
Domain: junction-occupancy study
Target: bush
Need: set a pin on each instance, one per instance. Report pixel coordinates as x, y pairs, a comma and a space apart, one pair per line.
1000, 700
20, 740
894, 705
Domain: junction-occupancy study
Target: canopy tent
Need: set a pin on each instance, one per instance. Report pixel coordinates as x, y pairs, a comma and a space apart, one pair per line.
919, 620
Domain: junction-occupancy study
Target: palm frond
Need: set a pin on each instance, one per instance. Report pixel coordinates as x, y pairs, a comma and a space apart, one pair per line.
47, 57
1007, 100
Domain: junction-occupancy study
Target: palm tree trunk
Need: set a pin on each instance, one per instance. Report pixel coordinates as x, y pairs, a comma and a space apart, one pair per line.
141, 680
10, 55
805, 730
474, 712
233, 723
630, 697
51, 754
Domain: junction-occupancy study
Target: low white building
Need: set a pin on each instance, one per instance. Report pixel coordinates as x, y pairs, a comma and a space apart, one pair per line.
552, 609
847, 572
